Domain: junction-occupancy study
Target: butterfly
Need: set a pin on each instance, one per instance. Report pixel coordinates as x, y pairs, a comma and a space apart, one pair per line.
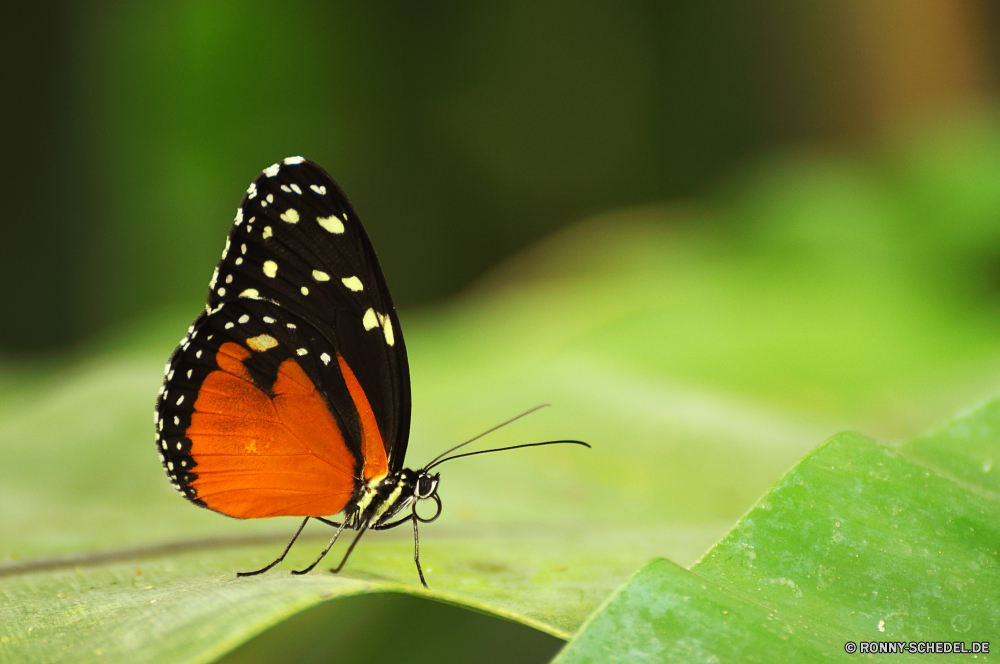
290, 393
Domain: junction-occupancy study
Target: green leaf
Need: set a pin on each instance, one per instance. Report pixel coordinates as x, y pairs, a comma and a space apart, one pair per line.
857, 543
965, 448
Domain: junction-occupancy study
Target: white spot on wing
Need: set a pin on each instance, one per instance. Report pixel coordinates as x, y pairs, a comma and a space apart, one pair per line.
286, 189
250, 294
296, 189
272, 170
301, 352
325, 358
262, 342
290, 326
229, 279
370, 321
319, 275
387, 328
215, 277
252, 191
353, 283
332, 224
268, 320
382, 320
267, 232
304, 290
229, 325
291, 161
226, 250
318, 188
221, 292
270, 268
291, 216
239, 261
239, 216
244, 319
180, 400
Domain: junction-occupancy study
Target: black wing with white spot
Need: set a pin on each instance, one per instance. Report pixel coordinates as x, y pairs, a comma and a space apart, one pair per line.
297, 243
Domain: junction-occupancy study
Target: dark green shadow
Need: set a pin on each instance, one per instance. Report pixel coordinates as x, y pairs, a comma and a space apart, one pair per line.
398, 628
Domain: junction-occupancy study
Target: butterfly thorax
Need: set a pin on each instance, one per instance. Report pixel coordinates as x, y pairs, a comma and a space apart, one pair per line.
379, 501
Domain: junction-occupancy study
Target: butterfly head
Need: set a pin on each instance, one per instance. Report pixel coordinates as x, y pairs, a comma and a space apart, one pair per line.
425, 487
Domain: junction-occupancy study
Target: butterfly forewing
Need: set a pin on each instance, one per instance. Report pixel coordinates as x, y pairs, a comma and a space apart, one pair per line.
297, 241
262, 410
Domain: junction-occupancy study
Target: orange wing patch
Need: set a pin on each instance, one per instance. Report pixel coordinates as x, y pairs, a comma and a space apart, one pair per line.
263, 456
376, 465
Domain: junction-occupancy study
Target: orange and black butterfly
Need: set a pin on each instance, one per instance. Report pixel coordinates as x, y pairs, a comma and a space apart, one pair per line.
290, 393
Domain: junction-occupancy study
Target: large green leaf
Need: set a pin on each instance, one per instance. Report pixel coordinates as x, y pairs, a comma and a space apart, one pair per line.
857, 543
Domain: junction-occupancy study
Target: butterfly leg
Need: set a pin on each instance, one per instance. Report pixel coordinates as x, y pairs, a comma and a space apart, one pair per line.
327, 521
328, 546
283, 553
349, 549
416, 550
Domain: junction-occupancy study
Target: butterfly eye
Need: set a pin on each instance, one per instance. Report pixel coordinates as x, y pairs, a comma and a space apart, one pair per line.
426, 486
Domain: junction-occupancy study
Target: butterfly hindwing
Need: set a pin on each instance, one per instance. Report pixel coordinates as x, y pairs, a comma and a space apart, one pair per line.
256, 418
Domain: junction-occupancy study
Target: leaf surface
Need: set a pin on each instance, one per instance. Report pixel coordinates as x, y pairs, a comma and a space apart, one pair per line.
858, 542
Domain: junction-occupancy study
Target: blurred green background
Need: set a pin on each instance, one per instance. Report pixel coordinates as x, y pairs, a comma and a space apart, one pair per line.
714, 233
462, 131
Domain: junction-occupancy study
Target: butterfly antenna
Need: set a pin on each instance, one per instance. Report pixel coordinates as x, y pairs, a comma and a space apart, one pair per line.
434, 461
504, 449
